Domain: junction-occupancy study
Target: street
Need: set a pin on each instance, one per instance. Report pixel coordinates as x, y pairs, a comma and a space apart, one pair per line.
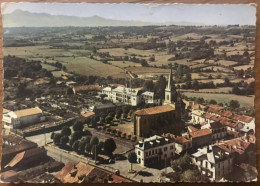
122, 165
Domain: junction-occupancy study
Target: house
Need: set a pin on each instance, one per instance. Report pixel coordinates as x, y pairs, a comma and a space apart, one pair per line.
106, 108
155, 150
243, 120
213, 162
86, 173
218, 130
200, 137
196, 116
182, 143
125, 95
87, 114
13, 145
241, 149
22, 118
154, 120
27, 159
232, 125
148, 97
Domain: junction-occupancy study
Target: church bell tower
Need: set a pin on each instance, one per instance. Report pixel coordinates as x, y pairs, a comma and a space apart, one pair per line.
168, 90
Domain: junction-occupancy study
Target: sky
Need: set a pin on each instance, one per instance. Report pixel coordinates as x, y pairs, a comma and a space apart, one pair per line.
243, 14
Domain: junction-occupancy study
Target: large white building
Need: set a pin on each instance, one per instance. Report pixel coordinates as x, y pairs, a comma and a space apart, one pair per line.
154, 150
130, 96
213, 162
21, 118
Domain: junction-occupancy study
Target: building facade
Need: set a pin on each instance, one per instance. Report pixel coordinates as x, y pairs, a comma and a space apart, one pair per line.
154, 120
129, 96
213, 162
154, 151
21, 118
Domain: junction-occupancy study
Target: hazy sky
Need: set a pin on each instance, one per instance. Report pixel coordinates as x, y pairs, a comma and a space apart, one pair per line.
206, 14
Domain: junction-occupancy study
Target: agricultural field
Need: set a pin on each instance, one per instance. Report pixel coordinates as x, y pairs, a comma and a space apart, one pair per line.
147, 70
225, 90
124, 64
87, 66
224, 98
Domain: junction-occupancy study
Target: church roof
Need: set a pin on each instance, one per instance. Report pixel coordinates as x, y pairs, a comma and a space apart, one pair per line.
155, 110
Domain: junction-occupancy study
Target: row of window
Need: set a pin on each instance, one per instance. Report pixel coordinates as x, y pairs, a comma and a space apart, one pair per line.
156, 151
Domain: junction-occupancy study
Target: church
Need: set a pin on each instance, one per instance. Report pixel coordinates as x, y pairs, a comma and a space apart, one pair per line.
161, 119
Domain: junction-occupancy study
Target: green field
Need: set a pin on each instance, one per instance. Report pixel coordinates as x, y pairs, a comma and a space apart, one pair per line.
216, 90
224, 98
87, 66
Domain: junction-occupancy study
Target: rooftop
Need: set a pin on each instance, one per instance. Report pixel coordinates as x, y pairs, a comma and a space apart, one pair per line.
28, 112
155, 110
216, 125
199, 133
235, 145
87, 114
153, 141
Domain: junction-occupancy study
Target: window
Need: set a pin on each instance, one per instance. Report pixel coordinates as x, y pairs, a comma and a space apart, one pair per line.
168, 97
152, 152
146, 154
149, 153
206, 164
165, 149
139, 153
155, 151
171, 147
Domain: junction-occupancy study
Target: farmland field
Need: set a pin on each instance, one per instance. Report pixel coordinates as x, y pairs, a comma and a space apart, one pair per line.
217, 90
87, 66
224, 98
147, 70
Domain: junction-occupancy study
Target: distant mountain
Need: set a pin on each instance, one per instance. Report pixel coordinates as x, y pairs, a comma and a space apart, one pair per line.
20, 18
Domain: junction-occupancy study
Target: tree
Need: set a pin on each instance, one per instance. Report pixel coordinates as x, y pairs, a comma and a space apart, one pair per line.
193, 176
236, 90
213, 102
234, 104
109, 119
109, 146
132, 158
94, 140
88, 148
75, 145
77, 135
78, 126
52, 135
57, 138
148, 85
64, 140
69, 91
87, 133
66, 131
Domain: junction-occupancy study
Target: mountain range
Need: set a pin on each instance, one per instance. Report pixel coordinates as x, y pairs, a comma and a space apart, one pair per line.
20, 18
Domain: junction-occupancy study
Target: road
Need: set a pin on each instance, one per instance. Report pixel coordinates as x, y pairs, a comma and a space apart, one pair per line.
122, 165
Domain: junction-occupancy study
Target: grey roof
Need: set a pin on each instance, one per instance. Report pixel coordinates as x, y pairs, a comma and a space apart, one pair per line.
152, 142
104, 106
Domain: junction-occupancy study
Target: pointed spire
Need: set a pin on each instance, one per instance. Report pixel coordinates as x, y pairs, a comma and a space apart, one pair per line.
169, 87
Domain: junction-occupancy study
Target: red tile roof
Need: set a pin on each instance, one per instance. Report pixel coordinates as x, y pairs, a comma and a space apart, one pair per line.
235, 145
155, 110
87, 114
192, 129
199, 133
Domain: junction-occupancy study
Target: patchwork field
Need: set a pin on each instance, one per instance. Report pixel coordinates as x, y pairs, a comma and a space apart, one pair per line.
217, 90
224, 98
87, 66
148, 70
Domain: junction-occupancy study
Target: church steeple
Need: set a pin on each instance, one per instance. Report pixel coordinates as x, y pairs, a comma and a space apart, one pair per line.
168, 90
169, 87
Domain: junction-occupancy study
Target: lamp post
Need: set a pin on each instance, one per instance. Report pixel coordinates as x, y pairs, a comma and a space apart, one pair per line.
43, 127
